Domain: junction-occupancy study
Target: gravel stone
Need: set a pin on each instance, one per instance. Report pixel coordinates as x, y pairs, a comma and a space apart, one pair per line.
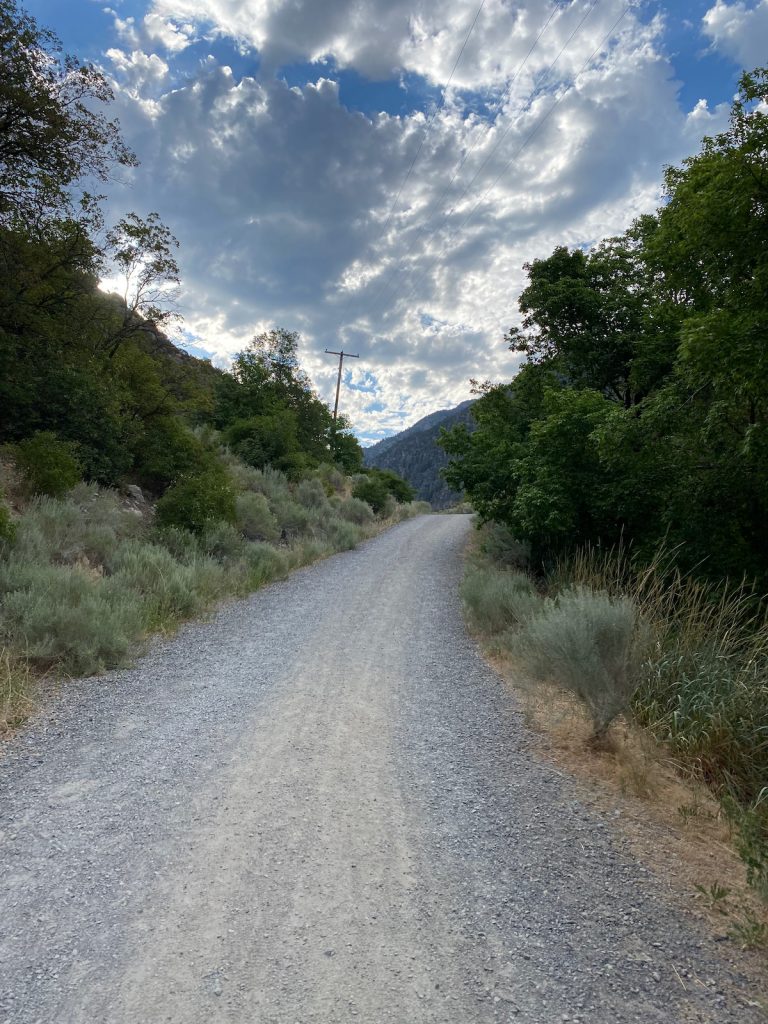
322, 805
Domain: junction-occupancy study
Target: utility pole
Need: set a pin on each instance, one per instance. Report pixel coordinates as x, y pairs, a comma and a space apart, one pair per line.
342, 356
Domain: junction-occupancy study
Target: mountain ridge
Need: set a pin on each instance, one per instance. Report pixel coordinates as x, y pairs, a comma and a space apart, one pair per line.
413, 453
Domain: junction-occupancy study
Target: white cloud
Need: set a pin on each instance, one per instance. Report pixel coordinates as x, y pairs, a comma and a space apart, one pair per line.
740, 31
279, 195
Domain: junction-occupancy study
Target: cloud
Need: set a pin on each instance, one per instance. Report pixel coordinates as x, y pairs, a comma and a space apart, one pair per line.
153, 31
739, 31
280, 195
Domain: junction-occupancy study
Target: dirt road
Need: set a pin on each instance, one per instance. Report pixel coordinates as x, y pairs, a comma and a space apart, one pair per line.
321, 806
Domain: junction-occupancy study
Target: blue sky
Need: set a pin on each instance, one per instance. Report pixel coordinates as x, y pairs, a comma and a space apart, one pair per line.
275, 136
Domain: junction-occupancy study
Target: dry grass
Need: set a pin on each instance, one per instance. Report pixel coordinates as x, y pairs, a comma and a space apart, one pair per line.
18, 692
672, 823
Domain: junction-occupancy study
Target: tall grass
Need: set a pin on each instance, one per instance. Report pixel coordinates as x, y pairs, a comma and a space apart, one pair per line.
698, 681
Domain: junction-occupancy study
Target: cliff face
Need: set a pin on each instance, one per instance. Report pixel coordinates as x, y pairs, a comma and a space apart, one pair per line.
415, 455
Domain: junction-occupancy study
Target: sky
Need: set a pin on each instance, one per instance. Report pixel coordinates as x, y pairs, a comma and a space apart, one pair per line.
374, 174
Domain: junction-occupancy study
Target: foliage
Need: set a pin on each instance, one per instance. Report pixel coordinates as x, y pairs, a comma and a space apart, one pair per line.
591, 644
703, 688
641, 411
7, 526
49, 464
196, 502
53, 134
373, 491
496, 600
255, 518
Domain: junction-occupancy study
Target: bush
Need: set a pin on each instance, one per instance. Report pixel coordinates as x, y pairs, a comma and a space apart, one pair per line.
196, 502
373, 492
265, 564
254, 517
311, 494
343, 536
291, 517
49, 464
224, 543
85, 527
495, 601
356, 511
60, 617
170, 591
591, 644
7, 526
502, 548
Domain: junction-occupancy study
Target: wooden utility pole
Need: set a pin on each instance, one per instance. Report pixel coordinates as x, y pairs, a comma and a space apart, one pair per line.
342, 356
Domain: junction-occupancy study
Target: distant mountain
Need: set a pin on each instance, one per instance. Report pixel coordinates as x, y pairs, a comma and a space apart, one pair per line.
414, 454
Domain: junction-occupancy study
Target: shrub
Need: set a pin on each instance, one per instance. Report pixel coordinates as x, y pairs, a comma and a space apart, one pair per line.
502, 548
591, 644
60, 617
356, 511
373, 492
170, 591
495, 600
332, 478
254, 517
291, 517
311, 494
7, 526
196, 502
224, 543
265, 564
343, 536
86, 526
49, 464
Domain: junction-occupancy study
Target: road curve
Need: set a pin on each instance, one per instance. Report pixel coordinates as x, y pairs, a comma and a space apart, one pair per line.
319, 807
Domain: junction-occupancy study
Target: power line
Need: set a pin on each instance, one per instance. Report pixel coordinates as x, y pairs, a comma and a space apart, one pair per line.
534, 131
499, 142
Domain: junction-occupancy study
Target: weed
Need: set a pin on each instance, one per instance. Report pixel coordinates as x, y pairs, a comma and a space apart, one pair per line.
750, 932
716, 896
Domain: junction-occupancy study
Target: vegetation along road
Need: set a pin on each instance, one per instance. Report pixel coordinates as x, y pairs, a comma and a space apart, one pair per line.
322, 806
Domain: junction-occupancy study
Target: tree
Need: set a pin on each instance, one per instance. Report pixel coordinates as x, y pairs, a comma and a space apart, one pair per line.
51, 135
584, 314
143, 253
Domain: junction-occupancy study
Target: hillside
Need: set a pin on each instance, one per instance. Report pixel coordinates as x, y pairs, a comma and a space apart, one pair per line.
415, 455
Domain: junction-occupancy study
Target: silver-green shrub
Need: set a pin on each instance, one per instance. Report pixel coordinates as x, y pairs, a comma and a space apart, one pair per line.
356, 511
495, 600
59, 616
592, 644
255, 519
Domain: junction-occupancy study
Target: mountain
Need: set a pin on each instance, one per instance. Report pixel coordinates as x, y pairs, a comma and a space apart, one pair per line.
414, 454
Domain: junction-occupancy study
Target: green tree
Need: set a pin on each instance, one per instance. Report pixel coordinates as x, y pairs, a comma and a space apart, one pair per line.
52, 133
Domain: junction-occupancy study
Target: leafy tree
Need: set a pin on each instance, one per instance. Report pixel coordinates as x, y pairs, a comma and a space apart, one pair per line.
51, 131
142, 250
642, 408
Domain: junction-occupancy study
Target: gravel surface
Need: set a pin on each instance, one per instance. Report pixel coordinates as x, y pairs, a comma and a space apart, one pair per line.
322, 806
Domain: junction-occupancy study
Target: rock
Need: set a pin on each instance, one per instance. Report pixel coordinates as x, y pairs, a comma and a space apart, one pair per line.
136, 494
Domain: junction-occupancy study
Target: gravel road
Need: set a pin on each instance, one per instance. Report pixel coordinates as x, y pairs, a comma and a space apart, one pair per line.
322, 806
